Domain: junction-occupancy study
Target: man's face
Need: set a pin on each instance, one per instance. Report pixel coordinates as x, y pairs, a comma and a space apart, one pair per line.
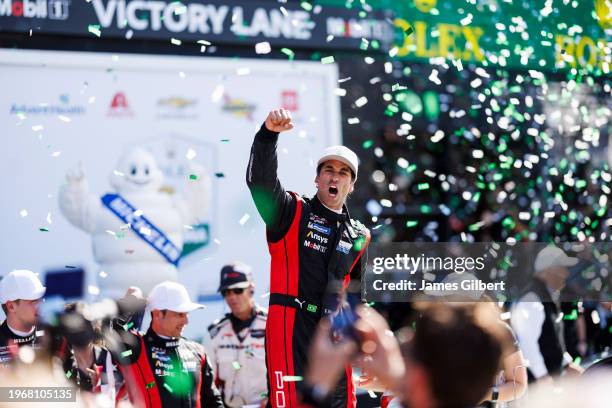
556, 277
239, 300
334, 183
170, 323
25, 311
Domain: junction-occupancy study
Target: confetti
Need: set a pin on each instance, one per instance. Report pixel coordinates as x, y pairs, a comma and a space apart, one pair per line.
353, 121
94, 29
191, 154
193, 177
292, 378
361, 101
126, 353
288, 52
327, 60
243, 71
23, 213
175, 41
244, 219
93, 290
43, 229
263, 48
236, 365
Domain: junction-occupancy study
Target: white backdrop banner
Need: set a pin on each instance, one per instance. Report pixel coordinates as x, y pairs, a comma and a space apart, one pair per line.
61, 111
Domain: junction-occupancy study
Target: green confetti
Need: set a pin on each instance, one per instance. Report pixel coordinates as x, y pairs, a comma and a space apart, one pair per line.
367, 144
288, 52
166, 386
68, 374
236, 365
408, 31
327, 60
306, 6
126, 353
219, 175
193, 177
578, 360
225, 140
571, 316
43, 229
423, 186
150, 385
94, 29
411, 223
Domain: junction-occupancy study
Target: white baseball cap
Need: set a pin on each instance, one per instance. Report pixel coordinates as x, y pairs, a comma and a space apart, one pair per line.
552, 256
171, 296
21, 284
343, 154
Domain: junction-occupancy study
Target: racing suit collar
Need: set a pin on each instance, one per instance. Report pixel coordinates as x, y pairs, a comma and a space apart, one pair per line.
320, 209
160, 341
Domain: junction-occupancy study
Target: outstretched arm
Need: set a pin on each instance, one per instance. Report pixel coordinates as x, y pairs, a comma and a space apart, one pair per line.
75, 202
273, 203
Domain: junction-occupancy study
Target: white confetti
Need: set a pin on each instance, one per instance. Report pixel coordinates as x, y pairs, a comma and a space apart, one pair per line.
353, 121
175, 41
243, 71
217, 93
190, 154
263, 48
23, 213
138, 213
182, 74
93, 290
37, 128
103, 274
64, 118
244, 219
340, 91
467, 20
361, 101
145, 231
433, 77
49, 221
56, 154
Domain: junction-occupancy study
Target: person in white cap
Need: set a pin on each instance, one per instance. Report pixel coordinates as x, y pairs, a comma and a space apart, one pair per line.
312, 242
20, 295
537, 319
237, 350
161, 368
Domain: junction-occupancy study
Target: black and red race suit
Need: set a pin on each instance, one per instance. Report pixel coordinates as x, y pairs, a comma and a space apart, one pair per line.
166, 372
310, 246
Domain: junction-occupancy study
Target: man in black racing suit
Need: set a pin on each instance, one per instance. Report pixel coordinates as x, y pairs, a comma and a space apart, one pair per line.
161, 368
312, 242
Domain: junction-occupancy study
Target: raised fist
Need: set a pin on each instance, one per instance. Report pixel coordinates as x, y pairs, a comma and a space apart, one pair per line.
279, 120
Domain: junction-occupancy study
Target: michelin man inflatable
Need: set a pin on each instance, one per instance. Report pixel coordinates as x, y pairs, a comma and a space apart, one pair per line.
137, 231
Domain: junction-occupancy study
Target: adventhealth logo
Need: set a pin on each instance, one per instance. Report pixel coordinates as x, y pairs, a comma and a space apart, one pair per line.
64, 107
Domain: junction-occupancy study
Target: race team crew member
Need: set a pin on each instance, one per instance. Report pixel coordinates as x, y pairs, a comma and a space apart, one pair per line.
312, 241
20, 295
161, 368
237, 350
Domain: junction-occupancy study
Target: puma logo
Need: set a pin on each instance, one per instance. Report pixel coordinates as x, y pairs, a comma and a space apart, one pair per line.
300, 303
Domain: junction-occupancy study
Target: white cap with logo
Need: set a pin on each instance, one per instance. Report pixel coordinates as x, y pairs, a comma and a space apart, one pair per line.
21, 284
171, 296
343, 154
552, 256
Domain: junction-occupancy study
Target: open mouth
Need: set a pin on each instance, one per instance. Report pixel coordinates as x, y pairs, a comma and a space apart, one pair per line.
333, 191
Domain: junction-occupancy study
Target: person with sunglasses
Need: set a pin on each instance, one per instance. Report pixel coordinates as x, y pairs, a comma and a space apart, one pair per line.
237, 350
21, 293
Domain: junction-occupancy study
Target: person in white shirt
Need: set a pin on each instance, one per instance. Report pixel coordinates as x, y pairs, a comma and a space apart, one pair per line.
237, 349
537, 320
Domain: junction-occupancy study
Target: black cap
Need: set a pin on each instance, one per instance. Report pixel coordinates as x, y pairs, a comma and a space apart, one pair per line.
235, 275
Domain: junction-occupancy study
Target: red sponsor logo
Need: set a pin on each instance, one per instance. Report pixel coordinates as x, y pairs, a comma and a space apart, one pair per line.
119, 106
